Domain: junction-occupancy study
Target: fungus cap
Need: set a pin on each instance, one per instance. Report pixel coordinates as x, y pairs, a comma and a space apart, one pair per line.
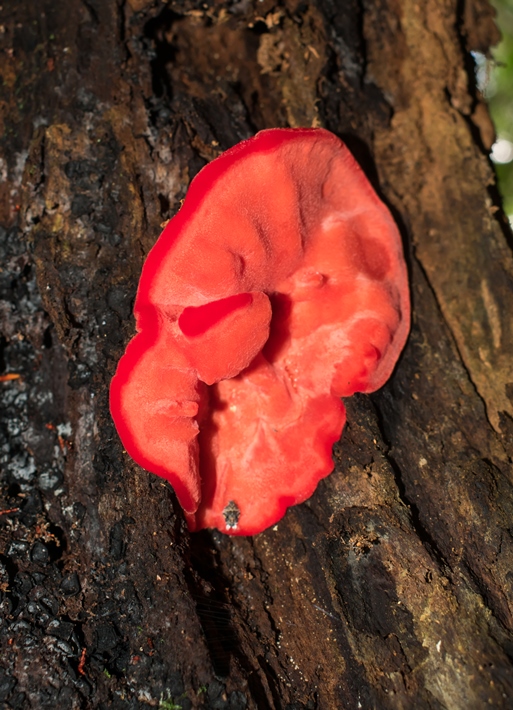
279, 287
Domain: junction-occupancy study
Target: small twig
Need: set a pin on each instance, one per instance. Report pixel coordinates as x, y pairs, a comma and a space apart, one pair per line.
10, 376
9, 510
82, 661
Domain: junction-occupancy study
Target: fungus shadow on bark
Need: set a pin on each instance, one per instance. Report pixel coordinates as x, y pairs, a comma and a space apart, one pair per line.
209, 587
209, 592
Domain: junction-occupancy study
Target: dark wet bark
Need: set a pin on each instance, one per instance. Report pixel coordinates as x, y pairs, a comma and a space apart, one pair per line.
392, 586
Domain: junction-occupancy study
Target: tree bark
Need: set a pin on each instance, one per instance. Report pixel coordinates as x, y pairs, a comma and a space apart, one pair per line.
392, 587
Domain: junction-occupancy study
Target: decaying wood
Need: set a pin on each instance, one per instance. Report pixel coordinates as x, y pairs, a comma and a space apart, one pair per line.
392, 586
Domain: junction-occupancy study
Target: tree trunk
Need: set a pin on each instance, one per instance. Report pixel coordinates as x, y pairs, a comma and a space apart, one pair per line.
392, 587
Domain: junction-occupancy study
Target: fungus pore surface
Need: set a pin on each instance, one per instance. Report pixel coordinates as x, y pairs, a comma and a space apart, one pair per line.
278, 288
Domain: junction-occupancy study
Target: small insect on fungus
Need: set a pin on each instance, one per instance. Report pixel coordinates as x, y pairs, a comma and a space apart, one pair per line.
279, 287
231, 515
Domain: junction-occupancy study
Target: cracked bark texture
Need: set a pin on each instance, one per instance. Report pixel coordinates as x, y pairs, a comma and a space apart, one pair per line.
392, 587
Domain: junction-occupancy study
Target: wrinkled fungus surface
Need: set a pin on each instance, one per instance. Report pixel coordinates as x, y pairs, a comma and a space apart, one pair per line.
278, 288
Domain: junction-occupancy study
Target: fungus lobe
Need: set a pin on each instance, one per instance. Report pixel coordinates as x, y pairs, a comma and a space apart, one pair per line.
278, 288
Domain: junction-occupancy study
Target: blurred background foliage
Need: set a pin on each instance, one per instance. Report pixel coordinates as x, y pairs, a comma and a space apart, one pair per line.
495, 79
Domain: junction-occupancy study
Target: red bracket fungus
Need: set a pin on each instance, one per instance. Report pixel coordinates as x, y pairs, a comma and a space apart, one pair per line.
278, 288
